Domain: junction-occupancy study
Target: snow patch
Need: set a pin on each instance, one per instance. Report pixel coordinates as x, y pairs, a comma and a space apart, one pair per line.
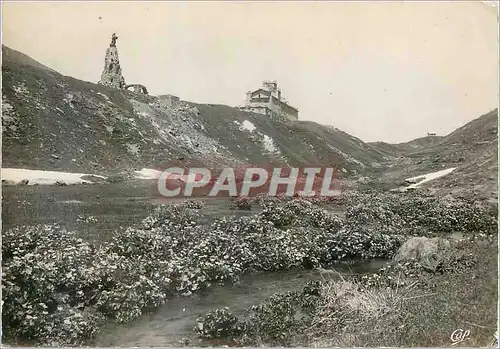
103, 95
247, 126
148, 173
428, 177
44, 177
268, 143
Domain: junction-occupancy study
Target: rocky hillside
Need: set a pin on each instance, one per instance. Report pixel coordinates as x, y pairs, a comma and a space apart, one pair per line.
56, 122
471, 149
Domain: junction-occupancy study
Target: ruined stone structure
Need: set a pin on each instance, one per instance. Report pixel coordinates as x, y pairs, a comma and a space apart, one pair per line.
170, 101
137, 88
112, 73
267, 100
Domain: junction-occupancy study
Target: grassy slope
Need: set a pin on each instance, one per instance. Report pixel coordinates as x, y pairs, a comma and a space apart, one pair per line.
405, 148
472, 149
466, 300
424, 316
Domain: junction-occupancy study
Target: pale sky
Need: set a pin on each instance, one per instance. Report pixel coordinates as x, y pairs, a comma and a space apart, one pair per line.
388, 71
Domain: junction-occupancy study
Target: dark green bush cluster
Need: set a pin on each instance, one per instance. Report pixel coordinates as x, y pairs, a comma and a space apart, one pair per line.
418, 214
49, 279
243, 203
279, 320
170, 252
356, 242
194, 204
219, 323
57, 288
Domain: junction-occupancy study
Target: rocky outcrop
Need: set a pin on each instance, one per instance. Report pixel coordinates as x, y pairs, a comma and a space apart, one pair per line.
420, 248
112, 73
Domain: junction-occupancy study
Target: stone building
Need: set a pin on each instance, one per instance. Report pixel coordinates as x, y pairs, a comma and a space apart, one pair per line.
112, 73
268, 100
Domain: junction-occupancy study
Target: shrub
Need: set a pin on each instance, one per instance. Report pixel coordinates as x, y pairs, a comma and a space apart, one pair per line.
219, 323
242, 203
278, 320
193, 204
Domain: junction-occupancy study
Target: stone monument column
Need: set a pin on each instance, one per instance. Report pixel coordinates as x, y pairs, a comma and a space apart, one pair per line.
112, 73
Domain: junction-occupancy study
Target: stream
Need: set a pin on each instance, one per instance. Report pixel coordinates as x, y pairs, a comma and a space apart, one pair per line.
171, 323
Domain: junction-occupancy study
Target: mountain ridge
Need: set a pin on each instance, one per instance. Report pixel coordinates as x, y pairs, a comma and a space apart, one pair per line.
57, 122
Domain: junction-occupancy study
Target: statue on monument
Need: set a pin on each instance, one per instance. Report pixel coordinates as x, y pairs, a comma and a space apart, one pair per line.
113, 40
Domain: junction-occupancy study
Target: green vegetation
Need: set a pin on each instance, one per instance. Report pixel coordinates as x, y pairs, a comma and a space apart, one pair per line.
58, 289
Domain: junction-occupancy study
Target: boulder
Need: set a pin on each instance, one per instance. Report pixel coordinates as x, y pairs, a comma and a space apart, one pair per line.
422, 249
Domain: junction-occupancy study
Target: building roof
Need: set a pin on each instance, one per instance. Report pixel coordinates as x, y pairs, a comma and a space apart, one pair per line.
260, 89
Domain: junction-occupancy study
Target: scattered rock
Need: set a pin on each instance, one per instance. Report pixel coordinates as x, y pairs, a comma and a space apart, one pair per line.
364, 180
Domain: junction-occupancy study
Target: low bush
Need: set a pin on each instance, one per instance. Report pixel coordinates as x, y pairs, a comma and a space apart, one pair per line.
242, 203
219, 323
279, 320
